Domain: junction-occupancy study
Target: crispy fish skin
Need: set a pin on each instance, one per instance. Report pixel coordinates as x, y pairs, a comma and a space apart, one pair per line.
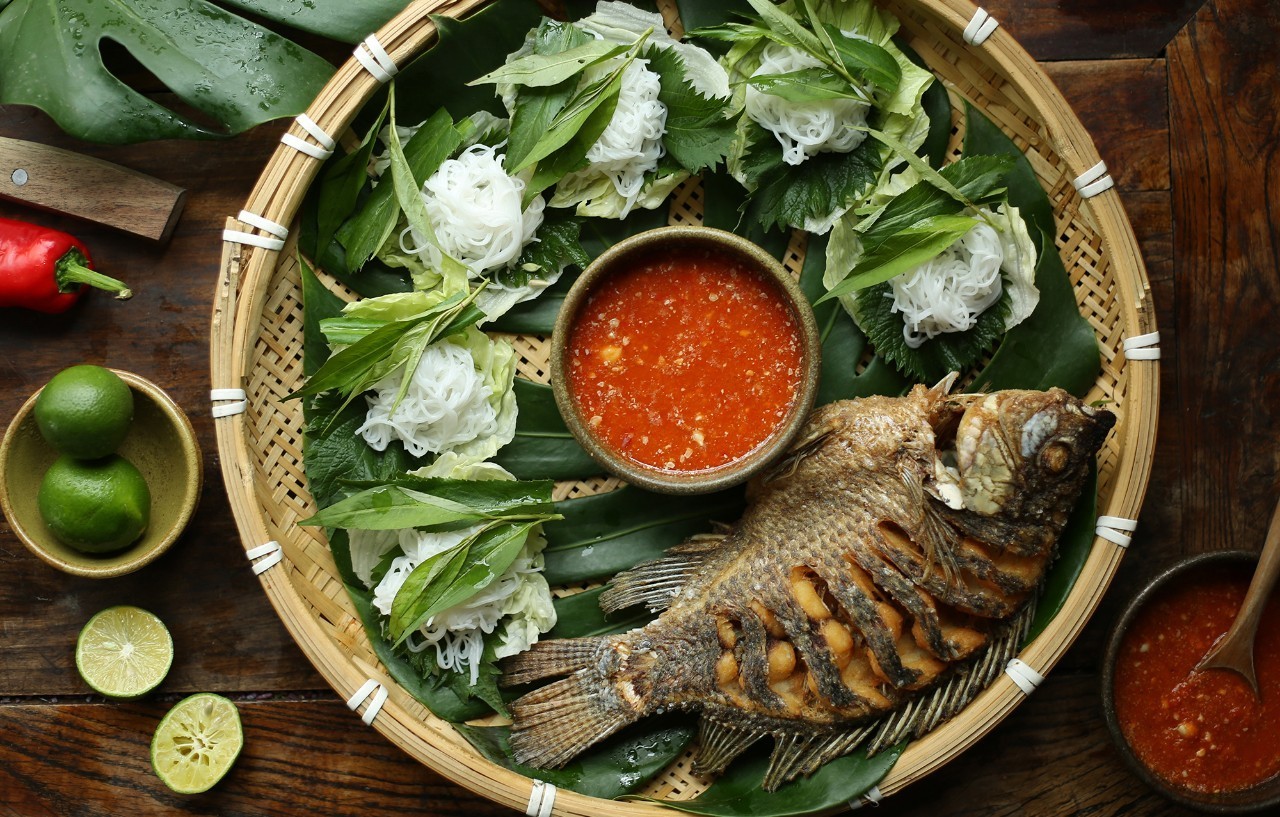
886, 549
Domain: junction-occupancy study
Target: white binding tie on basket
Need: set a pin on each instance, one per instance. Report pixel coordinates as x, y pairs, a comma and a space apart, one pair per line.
980, 27
1023, 675
1142, 347
321, 151
275, 241
871, 797
265, 557
370, 688
1113, 529
1094, 181
375, 59
233, 401
541, 799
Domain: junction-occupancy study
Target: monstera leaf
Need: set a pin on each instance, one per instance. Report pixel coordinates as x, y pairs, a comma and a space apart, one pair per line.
234, 72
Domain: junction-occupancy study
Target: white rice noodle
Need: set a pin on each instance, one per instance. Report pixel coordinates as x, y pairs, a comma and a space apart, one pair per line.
446, 405
631, 144
804, 129
474, 209
458, 633
950, 291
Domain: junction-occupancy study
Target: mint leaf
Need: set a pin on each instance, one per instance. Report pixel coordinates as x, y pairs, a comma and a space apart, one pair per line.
699, 132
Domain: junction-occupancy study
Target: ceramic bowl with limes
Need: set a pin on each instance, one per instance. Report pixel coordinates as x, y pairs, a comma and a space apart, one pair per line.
162, 445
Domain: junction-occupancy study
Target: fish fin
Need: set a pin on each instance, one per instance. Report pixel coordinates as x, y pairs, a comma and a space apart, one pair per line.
656, 583
926, 711
797, 753
559, 656
720, 741
553, 724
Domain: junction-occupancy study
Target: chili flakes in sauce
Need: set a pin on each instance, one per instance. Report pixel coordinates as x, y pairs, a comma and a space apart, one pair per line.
685, 361
1203, 731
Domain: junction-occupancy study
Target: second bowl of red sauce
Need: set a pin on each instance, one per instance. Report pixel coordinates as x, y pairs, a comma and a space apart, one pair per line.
684, 359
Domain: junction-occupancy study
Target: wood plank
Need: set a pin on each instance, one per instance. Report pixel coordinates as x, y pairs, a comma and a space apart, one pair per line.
300, 757
1092, 29
227, 634
1225, 145
1124, 106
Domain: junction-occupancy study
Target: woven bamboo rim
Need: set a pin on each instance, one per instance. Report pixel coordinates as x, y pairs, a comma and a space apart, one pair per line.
256, 346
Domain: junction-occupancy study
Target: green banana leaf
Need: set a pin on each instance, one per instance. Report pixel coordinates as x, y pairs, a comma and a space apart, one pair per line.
235, 72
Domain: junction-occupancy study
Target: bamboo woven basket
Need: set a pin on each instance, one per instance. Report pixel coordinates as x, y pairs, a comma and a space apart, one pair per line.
257, 348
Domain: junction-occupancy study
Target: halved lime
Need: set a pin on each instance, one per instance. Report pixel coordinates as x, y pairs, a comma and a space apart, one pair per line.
124, 652
196, 743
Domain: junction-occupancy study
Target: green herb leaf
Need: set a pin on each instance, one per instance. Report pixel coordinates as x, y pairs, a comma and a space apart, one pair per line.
865, 60
784, 23
341, 183
366, 232
437, 692
903, 251
699, 131
580, 616
575, 114
543, 446
439, 504
573, 154
536, 108
600, 535
452, 577
791, 196
542, 70
806, 85
978, 178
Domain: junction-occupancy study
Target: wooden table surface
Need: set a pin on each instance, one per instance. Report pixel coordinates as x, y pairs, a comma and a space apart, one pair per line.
1183, 100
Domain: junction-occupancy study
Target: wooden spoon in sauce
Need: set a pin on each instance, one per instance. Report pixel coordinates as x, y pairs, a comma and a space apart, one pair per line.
1234, 651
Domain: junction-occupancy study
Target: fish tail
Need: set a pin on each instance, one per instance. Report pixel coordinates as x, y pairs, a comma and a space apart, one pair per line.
550, 658
553, 724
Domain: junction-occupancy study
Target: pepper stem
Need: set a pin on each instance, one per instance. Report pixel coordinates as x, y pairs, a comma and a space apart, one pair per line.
72, 270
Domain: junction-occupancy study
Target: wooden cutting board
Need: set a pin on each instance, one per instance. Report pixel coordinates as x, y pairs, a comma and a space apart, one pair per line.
67, 182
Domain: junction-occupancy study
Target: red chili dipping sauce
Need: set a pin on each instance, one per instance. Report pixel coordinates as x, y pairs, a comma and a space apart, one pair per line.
1202, 731
686, 361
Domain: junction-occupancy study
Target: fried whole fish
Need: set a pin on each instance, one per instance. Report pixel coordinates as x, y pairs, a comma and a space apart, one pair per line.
880, 577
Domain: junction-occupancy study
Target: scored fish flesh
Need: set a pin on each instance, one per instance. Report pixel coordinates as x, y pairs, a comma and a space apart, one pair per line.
883, 573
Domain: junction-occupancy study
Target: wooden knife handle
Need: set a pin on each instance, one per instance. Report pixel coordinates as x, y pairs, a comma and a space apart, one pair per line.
78, 185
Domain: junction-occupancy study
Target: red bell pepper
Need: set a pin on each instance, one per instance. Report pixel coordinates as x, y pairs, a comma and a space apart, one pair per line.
46, 270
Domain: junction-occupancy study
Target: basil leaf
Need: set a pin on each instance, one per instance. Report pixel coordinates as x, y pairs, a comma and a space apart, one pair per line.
442, 504
601, 535
542, 70
366, 232
573, 154
978, 178
903, 251
341, 184
806, 85
536, 108
454, 576
570, 119
784, 23
865, 60
436, 692
543, 446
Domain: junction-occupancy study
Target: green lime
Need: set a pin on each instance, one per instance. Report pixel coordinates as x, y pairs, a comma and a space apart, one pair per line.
196, 743
124, 652
95, 506
85, 411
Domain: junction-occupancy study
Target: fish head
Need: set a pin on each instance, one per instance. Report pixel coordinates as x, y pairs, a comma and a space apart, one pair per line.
1023, 450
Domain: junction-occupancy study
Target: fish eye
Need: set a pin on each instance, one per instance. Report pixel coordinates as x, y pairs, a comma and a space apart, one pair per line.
1056, 456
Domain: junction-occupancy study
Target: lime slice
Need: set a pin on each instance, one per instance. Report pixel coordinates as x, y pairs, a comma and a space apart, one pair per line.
124, 652
196, 743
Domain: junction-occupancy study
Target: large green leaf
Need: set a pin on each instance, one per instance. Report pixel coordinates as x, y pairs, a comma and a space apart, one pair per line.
235, 72
543, 447
603, 534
